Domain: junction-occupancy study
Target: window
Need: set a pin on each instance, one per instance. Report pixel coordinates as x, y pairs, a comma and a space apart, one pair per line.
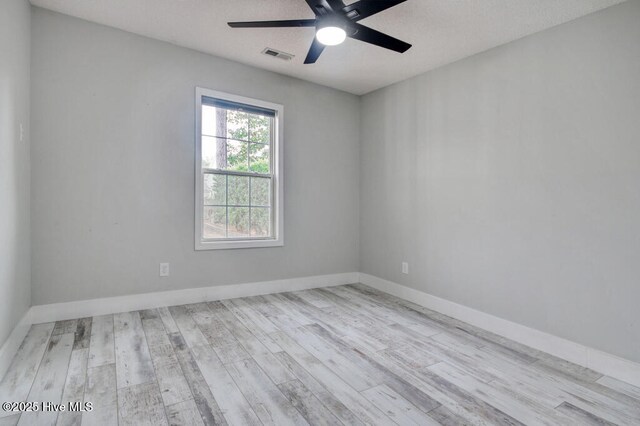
238, 172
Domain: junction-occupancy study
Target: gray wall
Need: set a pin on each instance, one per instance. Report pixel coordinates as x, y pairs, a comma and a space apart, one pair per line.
15, 281
510, 181
113, 167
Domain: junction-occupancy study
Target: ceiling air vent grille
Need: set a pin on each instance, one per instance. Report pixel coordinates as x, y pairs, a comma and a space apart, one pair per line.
277, 54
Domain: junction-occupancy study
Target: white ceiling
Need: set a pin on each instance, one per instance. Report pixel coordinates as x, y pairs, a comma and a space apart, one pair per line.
441, 31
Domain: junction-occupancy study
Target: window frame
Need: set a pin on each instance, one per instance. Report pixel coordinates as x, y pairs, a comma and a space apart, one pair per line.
276, 152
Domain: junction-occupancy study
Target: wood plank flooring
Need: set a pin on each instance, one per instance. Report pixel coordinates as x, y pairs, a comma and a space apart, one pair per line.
340, 355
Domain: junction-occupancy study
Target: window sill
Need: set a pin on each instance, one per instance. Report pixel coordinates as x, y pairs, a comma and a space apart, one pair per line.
231, 245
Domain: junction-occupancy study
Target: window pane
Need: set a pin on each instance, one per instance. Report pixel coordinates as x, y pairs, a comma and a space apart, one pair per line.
260, 222
220, 153
259, 158
237, 125
209, 121
259, 128
238, 191
238, 222
215, 190
237, 156
214, 121
260, 191
214, 153
214, 222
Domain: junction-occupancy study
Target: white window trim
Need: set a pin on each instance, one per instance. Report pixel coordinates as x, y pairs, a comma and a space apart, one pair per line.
278, 181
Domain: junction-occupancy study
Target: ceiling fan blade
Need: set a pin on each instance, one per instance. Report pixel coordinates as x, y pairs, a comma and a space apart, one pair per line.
377, 38
314, 52
366, 8
274, 24
323, 7
336, 5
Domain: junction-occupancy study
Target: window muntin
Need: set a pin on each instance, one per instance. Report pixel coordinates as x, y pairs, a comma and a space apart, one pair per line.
238, 161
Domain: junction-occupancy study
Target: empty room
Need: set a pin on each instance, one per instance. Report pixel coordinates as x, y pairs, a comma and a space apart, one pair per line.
319, 212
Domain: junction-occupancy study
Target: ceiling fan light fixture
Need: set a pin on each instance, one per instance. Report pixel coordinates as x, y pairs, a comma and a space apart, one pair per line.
331, 35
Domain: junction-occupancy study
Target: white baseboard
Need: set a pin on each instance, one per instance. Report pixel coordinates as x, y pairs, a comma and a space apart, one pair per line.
13, 342
135, 302
602, 362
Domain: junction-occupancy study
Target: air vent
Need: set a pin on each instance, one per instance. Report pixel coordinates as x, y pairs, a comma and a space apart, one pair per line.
277, 54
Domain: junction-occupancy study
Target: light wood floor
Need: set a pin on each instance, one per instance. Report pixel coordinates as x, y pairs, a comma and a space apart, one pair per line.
341, 355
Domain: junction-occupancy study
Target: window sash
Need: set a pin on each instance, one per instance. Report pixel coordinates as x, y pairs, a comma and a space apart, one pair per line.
248, 174
229, 106
249, 205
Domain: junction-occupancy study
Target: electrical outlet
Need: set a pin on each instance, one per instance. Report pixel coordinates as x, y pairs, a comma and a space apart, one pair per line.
21, 132
164, 269
405, 268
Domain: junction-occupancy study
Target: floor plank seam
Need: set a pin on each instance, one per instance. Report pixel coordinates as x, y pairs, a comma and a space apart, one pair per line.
164, 407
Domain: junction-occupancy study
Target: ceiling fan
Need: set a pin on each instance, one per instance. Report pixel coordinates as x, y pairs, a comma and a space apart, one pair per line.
334, 22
